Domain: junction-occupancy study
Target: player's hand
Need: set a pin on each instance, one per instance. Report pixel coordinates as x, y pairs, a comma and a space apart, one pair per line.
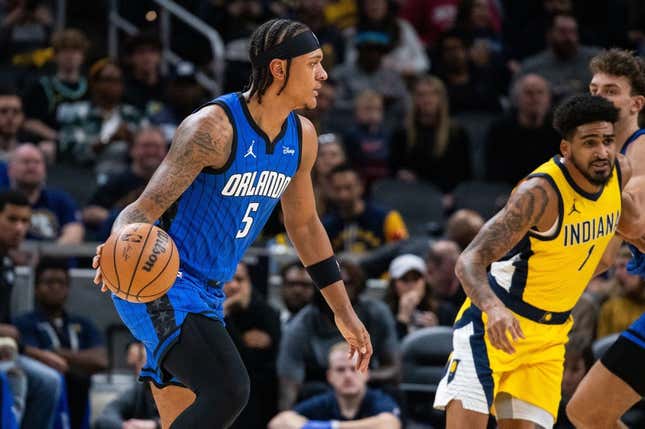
501, 321
98, 277
357, 337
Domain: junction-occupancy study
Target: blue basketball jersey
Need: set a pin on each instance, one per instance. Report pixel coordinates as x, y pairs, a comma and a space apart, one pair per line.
636, 265
222, 212
631, 139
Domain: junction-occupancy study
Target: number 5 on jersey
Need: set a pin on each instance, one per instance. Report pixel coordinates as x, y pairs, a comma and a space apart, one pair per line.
247, 220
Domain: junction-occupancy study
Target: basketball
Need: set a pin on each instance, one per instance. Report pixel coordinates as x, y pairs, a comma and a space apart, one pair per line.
140, 263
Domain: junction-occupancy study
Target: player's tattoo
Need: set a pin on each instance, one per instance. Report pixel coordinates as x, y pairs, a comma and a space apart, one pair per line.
525, 208
202, 140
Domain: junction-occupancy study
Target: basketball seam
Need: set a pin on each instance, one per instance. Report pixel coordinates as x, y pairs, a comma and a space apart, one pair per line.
116, 271
172, 250
134, 272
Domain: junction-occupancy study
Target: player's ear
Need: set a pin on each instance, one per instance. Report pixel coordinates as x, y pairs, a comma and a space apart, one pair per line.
277, 68
638, 102
565, 147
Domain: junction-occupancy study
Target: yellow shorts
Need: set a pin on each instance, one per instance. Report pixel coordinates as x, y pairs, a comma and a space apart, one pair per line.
477, 371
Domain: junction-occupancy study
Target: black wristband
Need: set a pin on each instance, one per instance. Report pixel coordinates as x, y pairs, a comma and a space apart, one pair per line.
325, 272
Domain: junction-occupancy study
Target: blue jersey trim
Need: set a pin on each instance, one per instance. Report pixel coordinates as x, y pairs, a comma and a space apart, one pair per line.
639, 132
533, 233
574, 185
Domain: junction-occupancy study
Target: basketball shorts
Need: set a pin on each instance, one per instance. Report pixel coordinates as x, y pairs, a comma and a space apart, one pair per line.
485, 379
626, 356
157, 324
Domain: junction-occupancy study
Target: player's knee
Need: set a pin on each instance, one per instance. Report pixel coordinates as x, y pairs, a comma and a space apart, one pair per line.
582, 416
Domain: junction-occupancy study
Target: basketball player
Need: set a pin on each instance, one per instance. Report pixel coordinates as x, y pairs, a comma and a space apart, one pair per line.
617, 380
544, 247
229, 163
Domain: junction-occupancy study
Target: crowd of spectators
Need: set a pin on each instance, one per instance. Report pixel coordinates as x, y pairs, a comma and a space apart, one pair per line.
439, 93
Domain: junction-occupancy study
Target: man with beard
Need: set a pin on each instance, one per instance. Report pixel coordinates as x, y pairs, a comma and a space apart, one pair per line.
554, 234
564, 62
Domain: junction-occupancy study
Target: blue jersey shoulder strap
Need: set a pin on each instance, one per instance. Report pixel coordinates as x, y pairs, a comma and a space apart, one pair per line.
639, 132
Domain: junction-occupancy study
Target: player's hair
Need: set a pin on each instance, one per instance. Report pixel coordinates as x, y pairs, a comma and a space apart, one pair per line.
621, 63
50, 264
295, 263
15, 198
7, 90
582, 109
70, 38
263, 38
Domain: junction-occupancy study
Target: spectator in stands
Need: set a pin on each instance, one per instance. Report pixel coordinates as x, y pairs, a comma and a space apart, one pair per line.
406, 55
184, 94
55, 215
254, 327
368, 72
297, 290
431, 146
135, 408
72, 337
12, 132
524, 136
342, 14
565, 63
325, 116
628, 301
97, 132
430, 18
307, 339
43, 383
636, 25
441, 260
350, 400
470, 88
355, 224
462, 226
578, 359
480, 20
16, 378
410, 298
368, 141
67, 85
24, 33
312, 14
145, 87
147, 151
331, 153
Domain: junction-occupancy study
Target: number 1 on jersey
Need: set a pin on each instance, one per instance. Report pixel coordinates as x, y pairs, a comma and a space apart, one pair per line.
587, 258
247, 220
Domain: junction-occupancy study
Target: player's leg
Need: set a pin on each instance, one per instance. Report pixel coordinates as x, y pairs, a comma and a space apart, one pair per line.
171, 401
466, 390
514, 413
458, 417
206, 360
617, 382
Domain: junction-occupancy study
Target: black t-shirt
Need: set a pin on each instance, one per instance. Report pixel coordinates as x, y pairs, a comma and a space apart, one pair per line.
325, 406
119, 190
7, 279
48, 93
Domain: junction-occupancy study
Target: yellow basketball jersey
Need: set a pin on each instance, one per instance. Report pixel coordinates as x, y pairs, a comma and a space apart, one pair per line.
550, 270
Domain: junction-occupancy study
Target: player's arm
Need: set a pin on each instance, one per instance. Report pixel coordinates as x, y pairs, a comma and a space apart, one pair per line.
312, 244
202, 140
532, 204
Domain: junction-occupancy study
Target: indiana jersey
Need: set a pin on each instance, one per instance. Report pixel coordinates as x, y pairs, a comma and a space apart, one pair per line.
222, 212
550, 270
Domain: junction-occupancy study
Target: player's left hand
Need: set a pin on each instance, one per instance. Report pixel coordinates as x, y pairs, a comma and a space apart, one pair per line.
357, 337
98, 277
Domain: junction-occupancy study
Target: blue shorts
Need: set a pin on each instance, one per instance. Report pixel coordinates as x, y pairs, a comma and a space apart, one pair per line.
636, 332
157, 324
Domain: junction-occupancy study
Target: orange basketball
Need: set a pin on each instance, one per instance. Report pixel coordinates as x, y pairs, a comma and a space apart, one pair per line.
139, 264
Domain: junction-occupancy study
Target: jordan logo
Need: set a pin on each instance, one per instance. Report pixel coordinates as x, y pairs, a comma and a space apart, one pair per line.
250, 151
573, 209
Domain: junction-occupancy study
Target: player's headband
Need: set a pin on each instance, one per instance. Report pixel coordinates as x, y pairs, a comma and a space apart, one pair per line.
301, 44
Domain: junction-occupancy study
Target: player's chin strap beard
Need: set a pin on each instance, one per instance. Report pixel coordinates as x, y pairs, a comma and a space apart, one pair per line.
298, 45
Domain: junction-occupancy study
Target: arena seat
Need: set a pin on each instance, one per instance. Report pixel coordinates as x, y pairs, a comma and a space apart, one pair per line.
486, 198
419, 203
424, 355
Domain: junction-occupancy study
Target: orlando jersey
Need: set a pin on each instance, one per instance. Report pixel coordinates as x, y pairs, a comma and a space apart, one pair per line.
550, 270
222, 212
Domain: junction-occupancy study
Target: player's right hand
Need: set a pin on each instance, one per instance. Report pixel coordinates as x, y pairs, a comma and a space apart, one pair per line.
354, 332
98, 277
501, 321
